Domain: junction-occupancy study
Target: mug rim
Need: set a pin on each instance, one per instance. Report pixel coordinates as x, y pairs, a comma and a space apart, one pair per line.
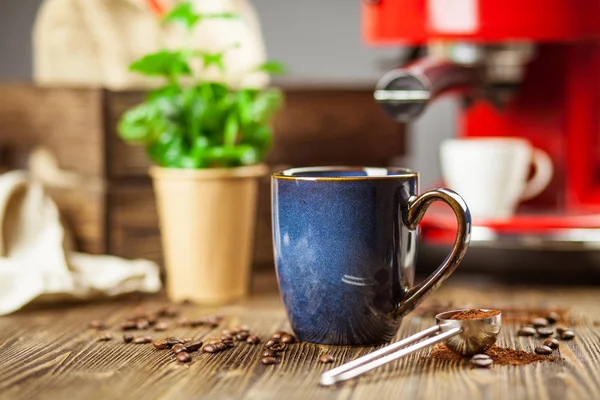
288, 173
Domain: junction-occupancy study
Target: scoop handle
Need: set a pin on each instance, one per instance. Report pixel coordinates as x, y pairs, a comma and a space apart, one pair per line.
361, 369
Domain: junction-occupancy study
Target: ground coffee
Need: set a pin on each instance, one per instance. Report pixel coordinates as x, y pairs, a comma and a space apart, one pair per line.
500, 355
474, 313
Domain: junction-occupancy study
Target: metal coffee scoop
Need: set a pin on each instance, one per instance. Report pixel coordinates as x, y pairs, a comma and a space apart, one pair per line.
463, 336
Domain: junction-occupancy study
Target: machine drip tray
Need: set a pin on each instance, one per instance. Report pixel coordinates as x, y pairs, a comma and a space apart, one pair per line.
578, 232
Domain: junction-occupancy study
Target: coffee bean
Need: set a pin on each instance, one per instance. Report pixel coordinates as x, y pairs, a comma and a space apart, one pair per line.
539, 322
229, 332
105, 336
214, 341
184, 357
97, 324
220, 346
552, 317
160, 327
168, 312
194, 345
270, 353
287, 338
186, 340
160, 344
226, 337
561, 329
326, 358
482, 362
209, 348
229, 343
480, 357
567, 335
178, 348
543, 350
277, 335
269, 360
271, 342
171, 341
242, 336
278, 347
142, 340
552, 343
142, 324
253, 339
127, 338
152, 319
128, 325
526, 331
545, 332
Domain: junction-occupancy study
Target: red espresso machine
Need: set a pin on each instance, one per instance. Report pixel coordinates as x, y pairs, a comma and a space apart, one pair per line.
523, 68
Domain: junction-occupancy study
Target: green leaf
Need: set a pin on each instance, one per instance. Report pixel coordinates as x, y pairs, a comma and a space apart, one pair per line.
142, 124
210, 59
166, 63
231, 130
246, 155
223, 15
265, 105
272, 67
183, 13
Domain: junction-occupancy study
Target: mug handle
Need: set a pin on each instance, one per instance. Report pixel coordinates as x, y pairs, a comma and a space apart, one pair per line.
417, 206
542, 175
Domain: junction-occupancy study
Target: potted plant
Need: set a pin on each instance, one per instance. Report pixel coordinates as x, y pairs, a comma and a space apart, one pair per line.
208, 140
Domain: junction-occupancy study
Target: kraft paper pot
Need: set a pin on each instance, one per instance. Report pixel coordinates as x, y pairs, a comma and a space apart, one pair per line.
207, 220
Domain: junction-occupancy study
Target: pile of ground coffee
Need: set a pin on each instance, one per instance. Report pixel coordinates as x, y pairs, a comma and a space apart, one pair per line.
500, 355
474, 313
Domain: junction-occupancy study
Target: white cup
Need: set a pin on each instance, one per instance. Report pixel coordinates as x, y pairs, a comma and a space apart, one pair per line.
491, 173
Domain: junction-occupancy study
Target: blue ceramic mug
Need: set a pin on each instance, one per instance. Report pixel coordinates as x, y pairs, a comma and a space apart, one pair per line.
345, 245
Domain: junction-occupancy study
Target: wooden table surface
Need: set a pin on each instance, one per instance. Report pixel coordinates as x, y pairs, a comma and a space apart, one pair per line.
49, 353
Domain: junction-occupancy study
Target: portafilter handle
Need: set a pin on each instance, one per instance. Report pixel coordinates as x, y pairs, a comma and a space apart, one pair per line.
405, 92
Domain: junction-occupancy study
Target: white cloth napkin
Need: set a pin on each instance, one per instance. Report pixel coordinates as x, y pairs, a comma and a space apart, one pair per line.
36, 263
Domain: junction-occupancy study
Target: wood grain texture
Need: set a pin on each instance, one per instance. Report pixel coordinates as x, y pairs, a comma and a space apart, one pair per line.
41, 358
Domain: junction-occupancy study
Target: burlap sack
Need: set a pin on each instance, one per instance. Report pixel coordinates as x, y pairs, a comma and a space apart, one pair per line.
92, 42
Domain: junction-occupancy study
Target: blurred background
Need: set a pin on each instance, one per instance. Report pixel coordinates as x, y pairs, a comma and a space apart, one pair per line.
528, 81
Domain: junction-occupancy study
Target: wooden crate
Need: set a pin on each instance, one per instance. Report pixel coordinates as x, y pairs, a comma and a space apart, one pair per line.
114, 211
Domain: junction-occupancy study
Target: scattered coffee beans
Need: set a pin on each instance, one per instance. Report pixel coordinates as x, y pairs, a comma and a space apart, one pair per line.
178, 348
561, 329
142, 340
142, 324
152, 319
277, 335
539, 322
184, 357
270, 353
552, 317
167, 312
98, 325
160, 327
160, 344
105, 336
128, 325
269, 360
127, 338
545, 350
326, 358
287, 338
526, 331
194, 345
552, 343
253, 339
186, 340
545, 332
243, 335
567, 335
171, 341
271, 342
278, 346
209, 348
